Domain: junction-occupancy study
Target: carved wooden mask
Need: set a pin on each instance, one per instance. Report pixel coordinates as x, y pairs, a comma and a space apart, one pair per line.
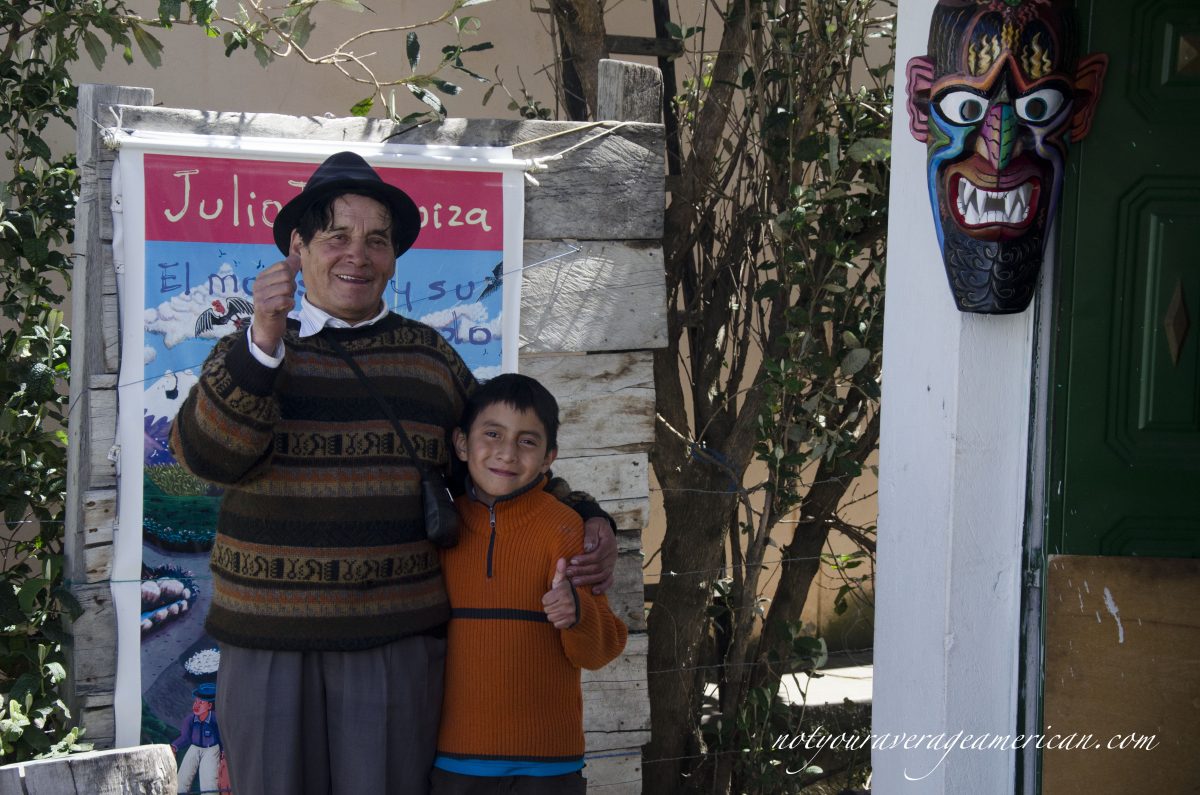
997, 99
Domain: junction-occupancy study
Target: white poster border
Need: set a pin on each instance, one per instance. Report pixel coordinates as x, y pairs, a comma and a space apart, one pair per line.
129, 262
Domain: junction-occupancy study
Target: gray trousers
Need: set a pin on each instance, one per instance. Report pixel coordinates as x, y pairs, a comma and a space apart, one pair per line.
331, 723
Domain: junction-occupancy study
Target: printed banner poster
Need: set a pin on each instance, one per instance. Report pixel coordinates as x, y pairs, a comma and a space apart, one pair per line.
205, 233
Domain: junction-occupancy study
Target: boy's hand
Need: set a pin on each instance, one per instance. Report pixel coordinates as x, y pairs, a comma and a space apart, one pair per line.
595, 566
559, 601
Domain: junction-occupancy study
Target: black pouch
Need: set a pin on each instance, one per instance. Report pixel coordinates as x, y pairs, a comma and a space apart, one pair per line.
441, 517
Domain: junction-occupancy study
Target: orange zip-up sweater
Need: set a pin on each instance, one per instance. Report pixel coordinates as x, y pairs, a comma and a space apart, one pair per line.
512, 702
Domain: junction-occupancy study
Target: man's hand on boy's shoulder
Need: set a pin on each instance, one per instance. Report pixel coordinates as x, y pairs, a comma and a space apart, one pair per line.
559, 602
595, 565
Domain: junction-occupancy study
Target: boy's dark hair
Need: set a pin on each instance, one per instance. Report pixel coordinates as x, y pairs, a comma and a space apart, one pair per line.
319, 217
519, 392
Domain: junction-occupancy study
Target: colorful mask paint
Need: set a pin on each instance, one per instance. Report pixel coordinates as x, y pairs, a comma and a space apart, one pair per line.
997, 100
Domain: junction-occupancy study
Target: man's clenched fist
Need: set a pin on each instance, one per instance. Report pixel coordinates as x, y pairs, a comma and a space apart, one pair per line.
274, 297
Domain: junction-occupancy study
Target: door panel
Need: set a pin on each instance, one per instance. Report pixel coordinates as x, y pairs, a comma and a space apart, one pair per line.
1125, 456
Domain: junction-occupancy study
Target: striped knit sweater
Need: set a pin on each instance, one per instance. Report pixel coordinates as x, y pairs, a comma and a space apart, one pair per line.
320, 538
512, 702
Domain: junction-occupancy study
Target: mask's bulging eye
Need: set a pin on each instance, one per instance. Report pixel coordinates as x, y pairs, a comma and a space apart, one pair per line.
1040, 106
962, 107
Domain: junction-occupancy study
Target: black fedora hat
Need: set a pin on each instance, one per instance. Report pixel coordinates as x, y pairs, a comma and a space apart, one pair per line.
347, 172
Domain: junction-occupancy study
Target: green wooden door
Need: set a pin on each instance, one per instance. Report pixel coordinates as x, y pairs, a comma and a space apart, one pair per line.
1125, 455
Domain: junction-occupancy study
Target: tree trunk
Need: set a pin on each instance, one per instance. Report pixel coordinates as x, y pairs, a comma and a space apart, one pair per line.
698, 501
581, 26
677, 627
802, 557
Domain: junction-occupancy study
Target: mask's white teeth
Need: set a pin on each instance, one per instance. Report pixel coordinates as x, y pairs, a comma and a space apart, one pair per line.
968, 198
1012, 200
979, 207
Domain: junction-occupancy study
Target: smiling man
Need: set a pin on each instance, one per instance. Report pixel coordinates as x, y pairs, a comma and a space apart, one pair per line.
997, 100
328, 601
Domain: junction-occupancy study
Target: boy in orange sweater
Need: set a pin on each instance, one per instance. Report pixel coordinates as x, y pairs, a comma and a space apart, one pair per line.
512, 713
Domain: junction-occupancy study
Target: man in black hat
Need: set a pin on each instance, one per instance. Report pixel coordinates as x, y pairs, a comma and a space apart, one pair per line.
328, 601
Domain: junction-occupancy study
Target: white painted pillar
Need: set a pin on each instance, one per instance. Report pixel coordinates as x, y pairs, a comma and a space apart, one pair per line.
953, 471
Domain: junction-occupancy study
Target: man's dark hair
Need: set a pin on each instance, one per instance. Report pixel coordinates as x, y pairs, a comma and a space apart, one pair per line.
319, 217
521, 393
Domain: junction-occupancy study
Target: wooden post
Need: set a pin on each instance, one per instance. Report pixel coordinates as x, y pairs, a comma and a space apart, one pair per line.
629, 92
145, 769
91, 474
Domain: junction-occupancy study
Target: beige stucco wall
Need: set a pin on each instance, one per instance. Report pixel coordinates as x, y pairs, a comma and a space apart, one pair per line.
196, 74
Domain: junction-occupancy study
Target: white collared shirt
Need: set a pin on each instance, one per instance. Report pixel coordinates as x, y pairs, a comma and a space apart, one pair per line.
312, 320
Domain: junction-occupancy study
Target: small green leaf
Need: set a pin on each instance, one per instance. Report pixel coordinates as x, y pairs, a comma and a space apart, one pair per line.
474, 3
39, 148
350, 5
35, 249
168, 10
151, 47
768, 289
56, 672
302, 28
29, 592
95, 48
867, 150
428, 97
26, 684
445, 87
263, 54
362, 107
413, 47
855, 360
849, 340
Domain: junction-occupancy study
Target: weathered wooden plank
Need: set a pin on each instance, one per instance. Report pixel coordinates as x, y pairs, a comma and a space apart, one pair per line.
100, 726
592, 296
99, 516
110, 331
97, 563
93, 650
92, 561
629, 91
614, 698
94, 673
607, 477
257, 125
109, 307
605, 401
95, 525
102, 435
616, 771
97, 717
632, 514
627, 596
608, 188
145, 769
104, 168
